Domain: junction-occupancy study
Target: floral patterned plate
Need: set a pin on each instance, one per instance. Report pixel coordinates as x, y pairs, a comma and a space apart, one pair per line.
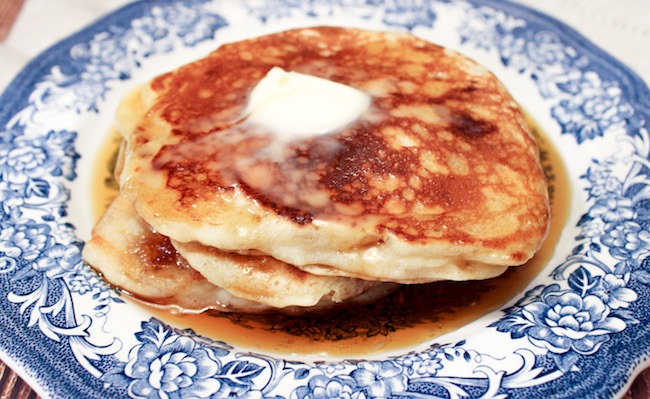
580, 329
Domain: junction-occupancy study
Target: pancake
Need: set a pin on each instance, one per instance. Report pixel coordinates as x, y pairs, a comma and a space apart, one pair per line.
134, 257
439, 180
268, 280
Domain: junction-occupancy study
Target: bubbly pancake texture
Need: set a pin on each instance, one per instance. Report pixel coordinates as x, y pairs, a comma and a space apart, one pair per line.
440, 179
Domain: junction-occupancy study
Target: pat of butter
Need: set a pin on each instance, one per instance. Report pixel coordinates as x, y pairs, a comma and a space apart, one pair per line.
295, 106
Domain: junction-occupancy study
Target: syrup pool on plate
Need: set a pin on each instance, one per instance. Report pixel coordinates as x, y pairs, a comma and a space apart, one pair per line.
410, 316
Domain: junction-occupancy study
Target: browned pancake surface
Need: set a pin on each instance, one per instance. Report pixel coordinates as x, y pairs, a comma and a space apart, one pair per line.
443, 157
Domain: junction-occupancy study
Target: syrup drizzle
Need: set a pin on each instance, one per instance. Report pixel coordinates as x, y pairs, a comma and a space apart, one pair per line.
412, 315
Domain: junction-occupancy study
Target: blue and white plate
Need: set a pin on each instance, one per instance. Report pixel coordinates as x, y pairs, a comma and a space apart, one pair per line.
581, 329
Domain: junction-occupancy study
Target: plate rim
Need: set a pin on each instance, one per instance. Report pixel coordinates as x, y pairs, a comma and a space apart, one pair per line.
31, 69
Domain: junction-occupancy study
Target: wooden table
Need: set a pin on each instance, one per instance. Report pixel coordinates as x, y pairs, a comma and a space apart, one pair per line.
12, 386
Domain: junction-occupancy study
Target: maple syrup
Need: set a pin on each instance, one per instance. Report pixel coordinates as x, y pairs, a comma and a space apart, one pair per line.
410, 316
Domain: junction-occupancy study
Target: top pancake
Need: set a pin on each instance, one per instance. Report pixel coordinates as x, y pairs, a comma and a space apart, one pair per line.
440, 179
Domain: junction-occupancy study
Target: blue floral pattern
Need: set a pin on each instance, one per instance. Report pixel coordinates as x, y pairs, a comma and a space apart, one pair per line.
169, 365
593, 298
39, 250
406, 14
27, 164
585, 105
612, 246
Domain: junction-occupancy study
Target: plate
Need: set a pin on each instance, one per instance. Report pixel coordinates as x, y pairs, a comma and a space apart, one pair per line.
580, 329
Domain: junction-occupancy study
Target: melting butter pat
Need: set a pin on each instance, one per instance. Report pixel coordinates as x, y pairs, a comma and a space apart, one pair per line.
295, 106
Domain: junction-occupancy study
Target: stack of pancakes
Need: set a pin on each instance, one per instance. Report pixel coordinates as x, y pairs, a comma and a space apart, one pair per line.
439, 180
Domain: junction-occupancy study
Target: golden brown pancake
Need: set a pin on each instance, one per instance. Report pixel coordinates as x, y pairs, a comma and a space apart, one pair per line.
137, 259
270, 281
133, 257
439, 179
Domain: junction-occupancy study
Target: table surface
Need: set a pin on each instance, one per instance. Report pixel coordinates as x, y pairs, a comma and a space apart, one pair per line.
622, 30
